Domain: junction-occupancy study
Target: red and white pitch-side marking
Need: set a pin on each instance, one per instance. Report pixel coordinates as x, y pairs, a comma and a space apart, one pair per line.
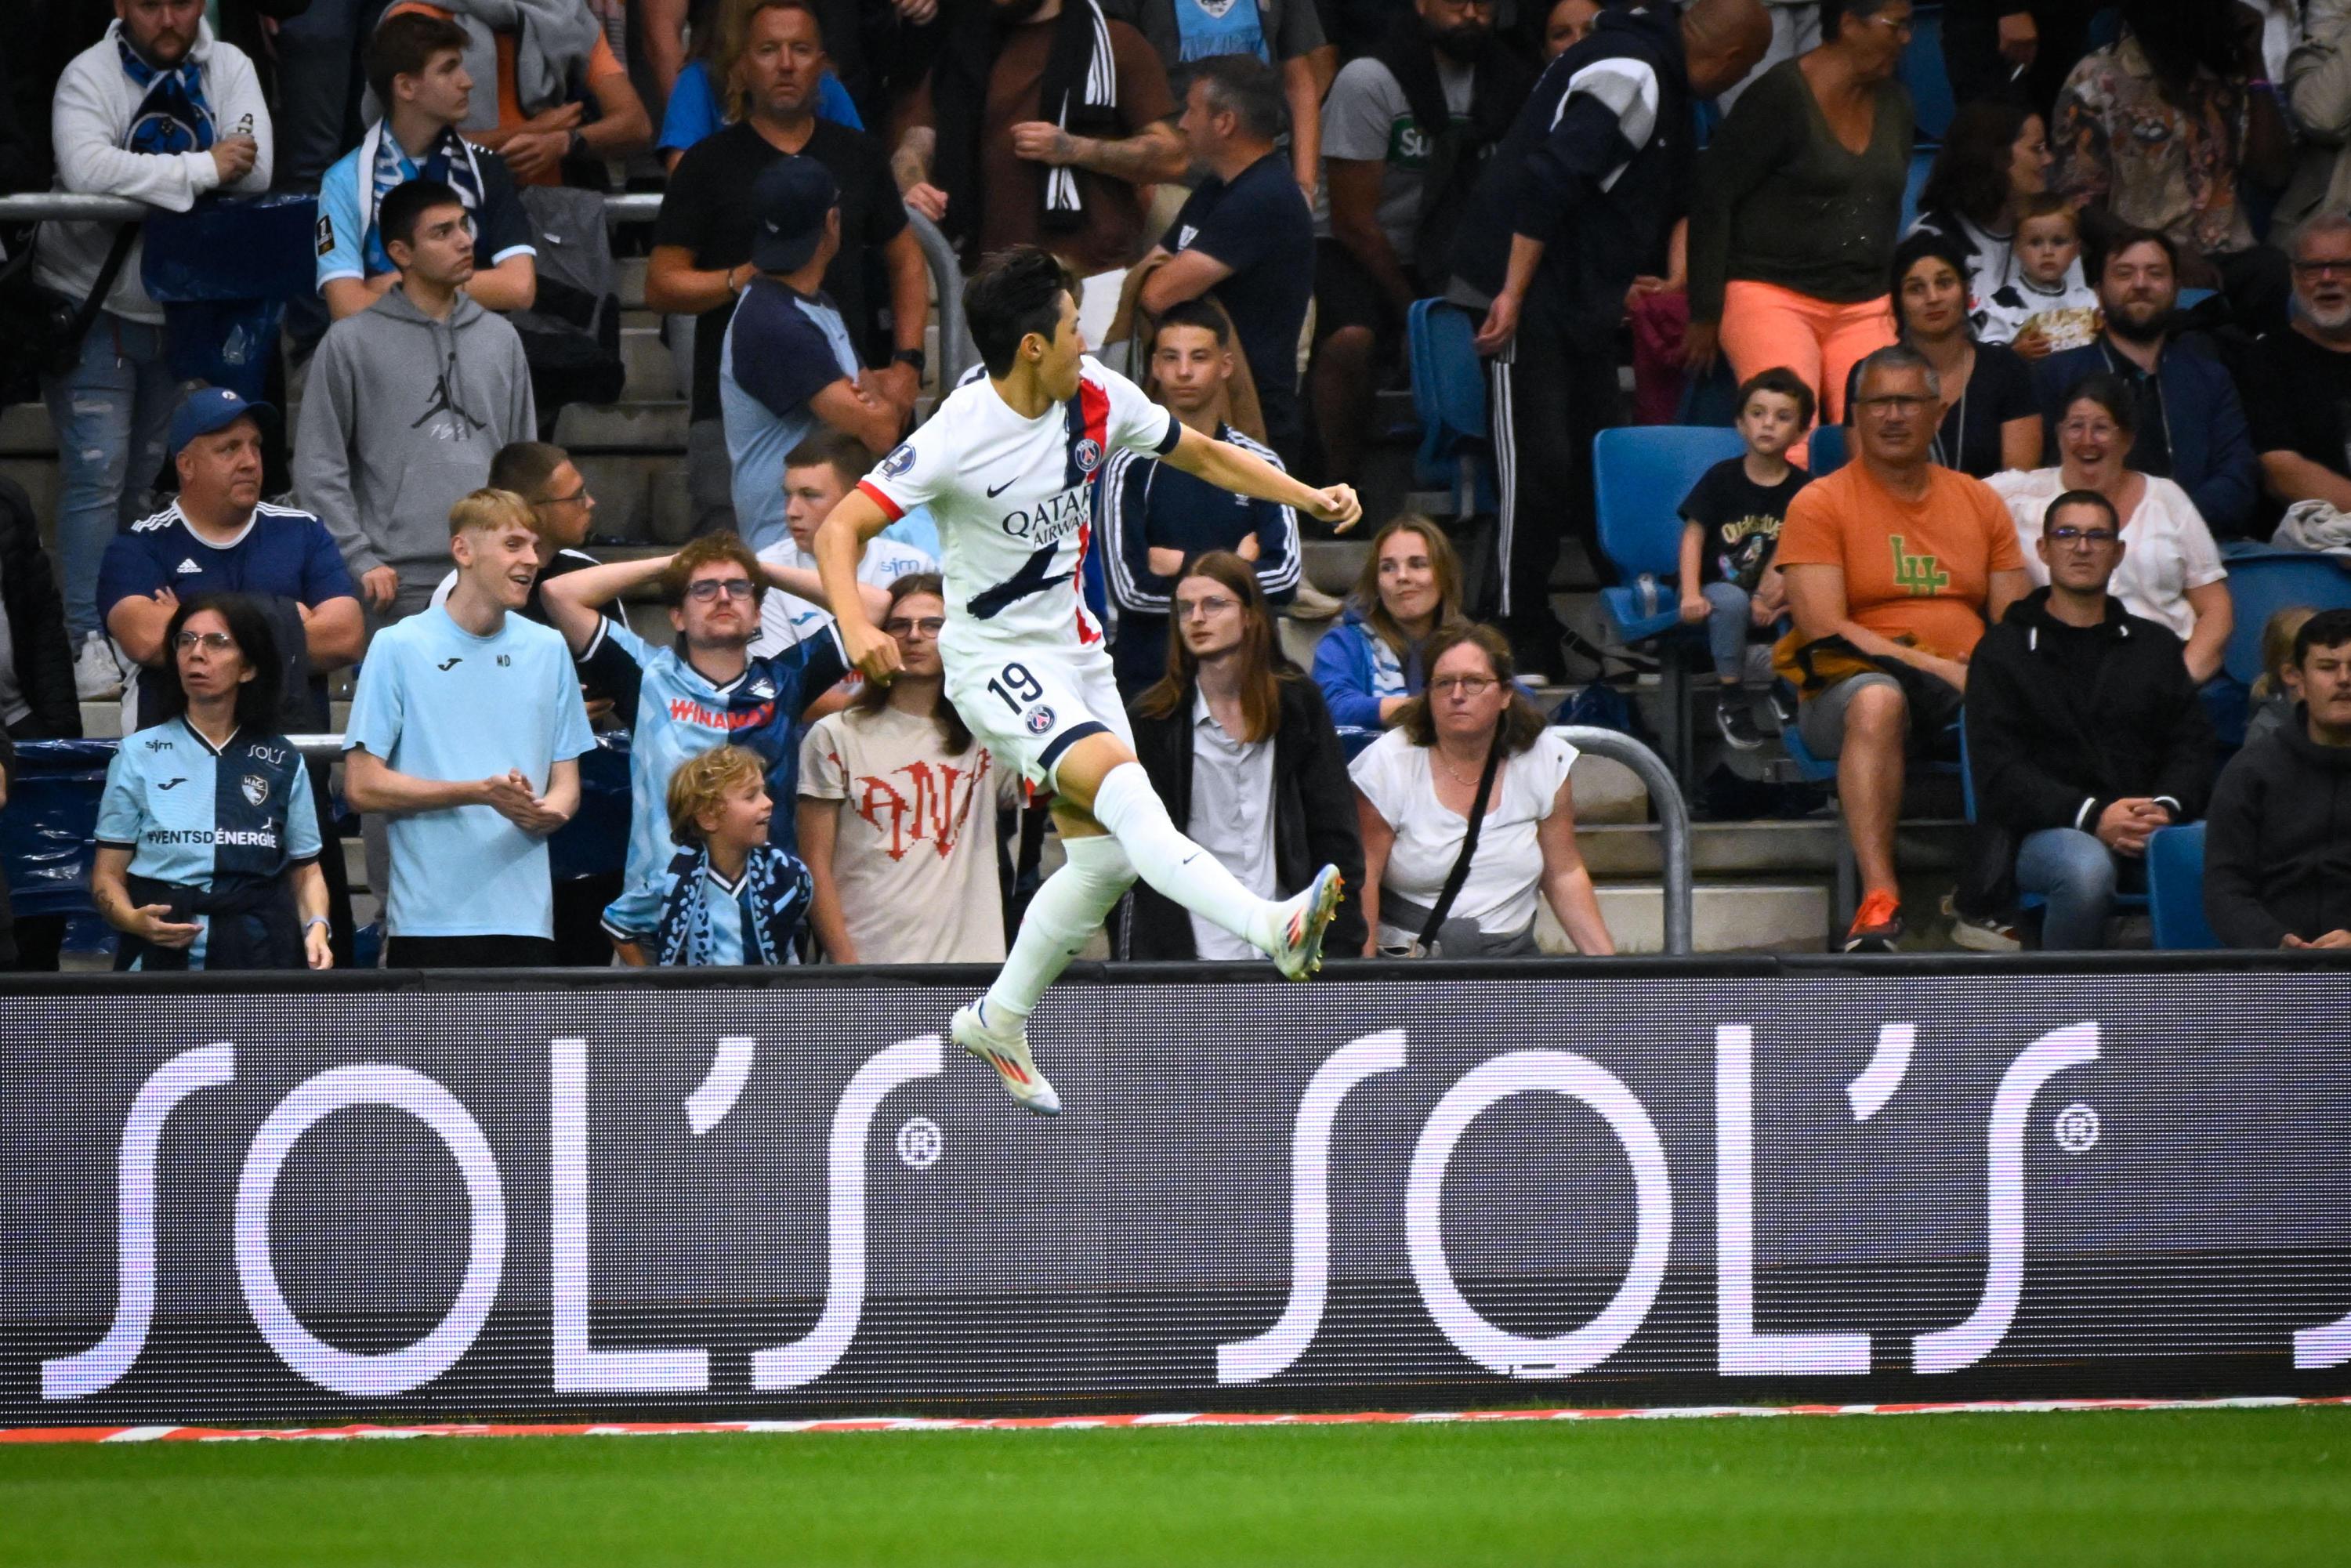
1094, 1423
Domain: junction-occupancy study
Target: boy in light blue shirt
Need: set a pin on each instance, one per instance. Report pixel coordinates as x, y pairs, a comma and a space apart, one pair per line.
465, 731
733, 897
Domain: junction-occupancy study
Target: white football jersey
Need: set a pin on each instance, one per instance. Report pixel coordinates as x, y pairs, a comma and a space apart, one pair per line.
1014, 501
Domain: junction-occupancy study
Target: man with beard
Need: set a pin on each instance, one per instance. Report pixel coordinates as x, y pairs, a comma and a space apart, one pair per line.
1039, 125
1576, 202
2191, 426
1403, 132
701, 241
2298, 388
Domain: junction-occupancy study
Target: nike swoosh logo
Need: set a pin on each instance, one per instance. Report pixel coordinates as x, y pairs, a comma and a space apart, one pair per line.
173, 785
449, 664
1000, 489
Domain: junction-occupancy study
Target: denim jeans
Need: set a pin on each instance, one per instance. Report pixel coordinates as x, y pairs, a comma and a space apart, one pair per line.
2076, 874
1728, 617
110, 414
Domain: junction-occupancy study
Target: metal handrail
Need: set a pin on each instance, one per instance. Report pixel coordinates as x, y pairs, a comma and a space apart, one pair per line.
957, 352
1673, 819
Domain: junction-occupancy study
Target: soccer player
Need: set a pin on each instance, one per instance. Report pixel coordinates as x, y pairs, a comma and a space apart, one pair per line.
1008, 465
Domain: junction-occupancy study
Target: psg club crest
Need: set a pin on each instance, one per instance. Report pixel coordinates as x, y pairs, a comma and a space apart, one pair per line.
1089, 455
1038, 720
257, 789
899, 461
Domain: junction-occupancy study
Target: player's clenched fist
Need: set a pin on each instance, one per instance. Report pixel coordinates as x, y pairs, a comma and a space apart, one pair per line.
1338, 506
872, 651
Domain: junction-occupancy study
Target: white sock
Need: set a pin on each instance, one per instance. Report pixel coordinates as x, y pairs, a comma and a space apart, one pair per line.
1175, 866
1069, 908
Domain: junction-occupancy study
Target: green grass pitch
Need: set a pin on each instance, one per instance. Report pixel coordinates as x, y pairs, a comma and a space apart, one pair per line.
2236, 1487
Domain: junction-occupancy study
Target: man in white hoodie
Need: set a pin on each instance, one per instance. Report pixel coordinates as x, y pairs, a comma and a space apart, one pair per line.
158, 111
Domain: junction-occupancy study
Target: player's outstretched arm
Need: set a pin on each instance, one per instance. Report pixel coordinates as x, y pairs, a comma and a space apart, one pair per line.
575, 600
1228, 467
839, 543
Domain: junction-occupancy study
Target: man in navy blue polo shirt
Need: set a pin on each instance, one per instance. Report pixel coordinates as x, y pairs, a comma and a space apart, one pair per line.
1245, 234
220, 536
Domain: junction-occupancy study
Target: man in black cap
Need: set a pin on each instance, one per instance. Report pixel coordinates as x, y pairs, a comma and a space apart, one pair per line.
788, 367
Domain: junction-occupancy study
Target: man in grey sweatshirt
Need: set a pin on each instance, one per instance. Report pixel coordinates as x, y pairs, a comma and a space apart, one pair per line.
407, 403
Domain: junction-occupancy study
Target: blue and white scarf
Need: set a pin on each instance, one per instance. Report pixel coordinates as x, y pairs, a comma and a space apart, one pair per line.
774, 895
173, 116
384, 167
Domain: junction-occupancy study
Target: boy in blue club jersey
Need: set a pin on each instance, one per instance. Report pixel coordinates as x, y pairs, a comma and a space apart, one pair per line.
733, 897
467, 731
705, 692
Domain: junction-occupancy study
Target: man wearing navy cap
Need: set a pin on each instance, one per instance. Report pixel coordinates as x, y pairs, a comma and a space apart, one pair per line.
220, 537
788, 367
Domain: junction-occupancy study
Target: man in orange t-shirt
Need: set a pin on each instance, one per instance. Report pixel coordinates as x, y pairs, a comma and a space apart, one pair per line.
1904, 561
535, 142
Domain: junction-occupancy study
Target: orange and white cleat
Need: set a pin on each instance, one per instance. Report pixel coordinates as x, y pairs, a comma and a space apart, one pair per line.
1304, 919
1008, 1053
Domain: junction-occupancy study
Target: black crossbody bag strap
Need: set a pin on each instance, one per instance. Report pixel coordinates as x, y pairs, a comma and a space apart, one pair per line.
1460, 872
125, 236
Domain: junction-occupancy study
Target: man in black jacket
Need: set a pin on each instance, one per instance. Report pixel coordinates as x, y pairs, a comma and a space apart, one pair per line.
1240, 747
1576, 202
2085, 732
2277, 854
37, 680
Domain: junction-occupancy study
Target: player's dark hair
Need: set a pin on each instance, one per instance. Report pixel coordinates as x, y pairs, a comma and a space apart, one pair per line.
711, 547
258, 699
1266, 666
1522, 723
526, 467
405, 46
1248, 89
873, 697
836, 449
1780, 378
2327, 629
1015, 292
1199, 313
399, 213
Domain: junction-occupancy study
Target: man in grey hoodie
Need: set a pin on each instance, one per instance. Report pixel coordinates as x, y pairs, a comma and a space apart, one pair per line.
407, 402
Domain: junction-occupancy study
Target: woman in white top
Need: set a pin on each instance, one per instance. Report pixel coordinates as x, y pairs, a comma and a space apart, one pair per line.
2170, 572
1416, 786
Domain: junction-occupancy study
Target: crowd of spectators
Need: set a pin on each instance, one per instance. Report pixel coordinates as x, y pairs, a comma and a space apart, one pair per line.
2054, 449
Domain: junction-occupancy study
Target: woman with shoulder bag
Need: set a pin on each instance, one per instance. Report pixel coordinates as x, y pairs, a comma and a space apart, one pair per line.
1466, 814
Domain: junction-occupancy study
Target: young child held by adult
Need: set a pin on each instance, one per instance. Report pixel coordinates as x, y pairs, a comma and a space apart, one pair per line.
733, 897
1730, 527
2048, 305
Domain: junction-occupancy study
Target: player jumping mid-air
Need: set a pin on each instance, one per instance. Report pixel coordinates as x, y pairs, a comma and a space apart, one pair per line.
1007, 466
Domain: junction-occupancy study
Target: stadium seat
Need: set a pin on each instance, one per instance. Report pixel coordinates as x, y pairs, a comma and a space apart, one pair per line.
1639, 476
2262, 585
2191, 297
1449, 395
2175, 881
1830, 450
1921, 165
1923, 73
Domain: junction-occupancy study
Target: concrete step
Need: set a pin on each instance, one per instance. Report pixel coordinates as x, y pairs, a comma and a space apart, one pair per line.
1806, 848
673, 505
622, 486
623, 427
26, 431
653, 368
1724, 918
1333, 565
631, 280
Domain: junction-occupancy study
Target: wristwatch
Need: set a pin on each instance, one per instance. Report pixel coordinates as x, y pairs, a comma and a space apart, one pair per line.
915, 357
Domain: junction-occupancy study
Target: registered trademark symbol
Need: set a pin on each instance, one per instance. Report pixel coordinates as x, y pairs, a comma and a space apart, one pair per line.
2077, 1129
919, 1142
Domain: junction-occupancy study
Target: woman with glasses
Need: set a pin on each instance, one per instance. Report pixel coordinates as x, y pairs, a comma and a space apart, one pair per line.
2170, 571
1369, 664
1991, 419
1238, 743
898, 810
207, 840
1418, 793
1798, 202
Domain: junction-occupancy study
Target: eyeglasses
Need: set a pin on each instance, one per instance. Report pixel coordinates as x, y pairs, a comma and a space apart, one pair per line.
2083, 539
1209, 605
901, 626
573, 499
1893, 402
212, 642
1466, 685
710, 588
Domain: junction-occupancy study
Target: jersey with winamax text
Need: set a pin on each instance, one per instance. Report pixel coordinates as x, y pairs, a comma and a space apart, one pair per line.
1014, 500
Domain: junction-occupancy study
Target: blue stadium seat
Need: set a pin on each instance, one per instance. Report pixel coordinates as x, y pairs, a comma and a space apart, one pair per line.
2175, 880
1831, 449
1923, 73
2262, 585
1921, 165
1448, 394
2191, 297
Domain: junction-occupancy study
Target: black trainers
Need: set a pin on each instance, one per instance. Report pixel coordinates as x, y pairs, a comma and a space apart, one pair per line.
1535, 651
1736, 722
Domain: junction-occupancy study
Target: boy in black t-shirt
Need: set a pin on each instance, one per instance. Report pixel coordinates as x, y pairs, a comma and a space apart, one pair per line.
1730, 529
